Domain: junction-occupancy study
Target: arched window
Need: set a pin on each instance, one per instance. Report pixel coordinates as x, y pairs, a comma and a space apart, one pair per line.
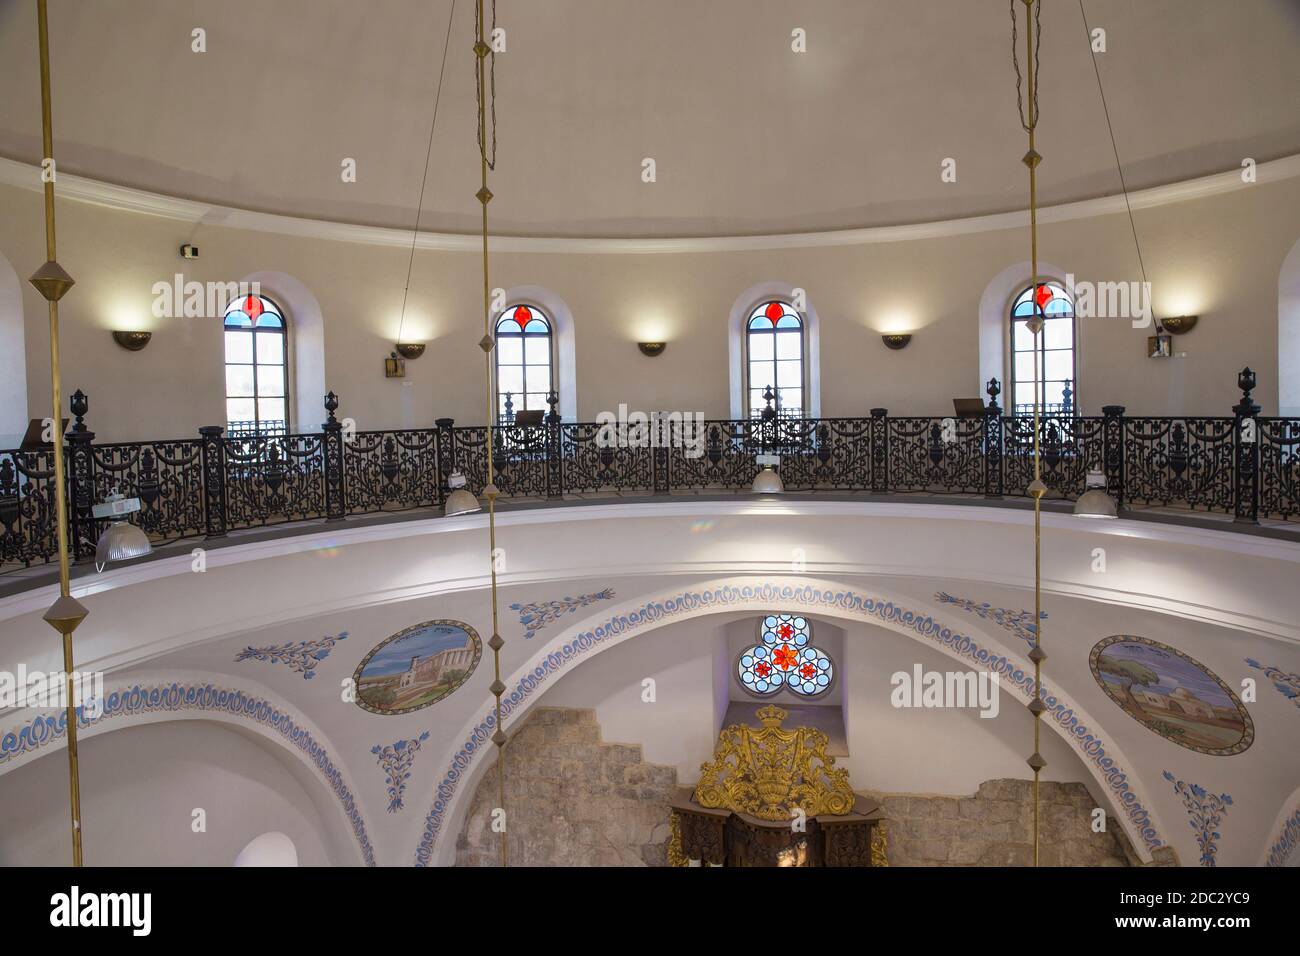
1057, 372
524, 361
774, 357
784, 657
257, 368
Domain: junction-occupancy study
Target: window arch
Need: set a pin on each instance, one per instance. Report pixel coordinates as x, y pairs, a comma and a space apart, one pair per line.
1055, 357
525, 363
257, 367
785, 657
774, 356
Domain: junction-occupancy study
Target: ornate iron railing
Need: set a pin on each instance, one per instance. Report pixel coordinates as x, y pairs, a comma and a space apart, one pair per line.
1244, 466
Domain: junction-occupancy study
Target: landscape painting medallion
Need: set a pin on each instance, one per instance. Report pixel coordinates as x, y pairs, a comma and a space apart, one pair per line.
417, 667
1170, 693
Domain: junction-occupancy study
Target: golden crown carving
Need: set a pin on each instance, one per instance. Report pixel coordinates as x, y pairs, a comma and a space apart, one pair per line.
769, 772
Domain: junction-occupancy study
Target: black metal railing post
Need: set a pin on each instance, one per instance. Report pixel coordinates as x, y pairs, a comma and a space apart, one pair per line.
446, 455
993, 486
554, 465
81, 480
1112, 453
879, 450
332, 451
214, 480
1245, 444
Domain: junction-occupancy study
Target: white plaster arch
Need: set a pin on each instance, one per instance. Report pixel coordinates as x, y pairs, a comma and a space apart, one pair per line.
595, 634
1288, 334
995, 307
269, 849
740, 312
13, 358
306, 330
247, 706
566, 362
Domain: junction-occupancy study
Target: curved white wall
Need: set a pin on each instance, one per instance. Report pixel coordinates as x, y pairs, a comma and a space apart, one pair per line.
140, 787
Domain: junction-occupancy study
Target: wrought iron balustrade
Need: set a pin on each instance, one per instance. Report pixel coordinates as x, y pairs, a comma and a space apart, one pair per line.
1241, 465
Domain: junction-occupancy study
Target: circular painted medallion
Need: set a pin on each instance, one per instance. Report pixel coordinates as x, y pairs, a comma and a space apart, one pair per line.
1172, 694
417, 667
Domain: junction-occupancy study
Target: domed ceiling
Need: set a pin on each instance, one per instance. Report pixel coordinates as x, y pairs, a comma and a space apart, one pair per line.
748, 137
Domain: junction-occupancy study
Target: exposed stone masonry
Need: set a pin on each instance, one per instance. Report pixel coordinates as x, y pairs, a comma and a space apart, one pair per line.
573, 800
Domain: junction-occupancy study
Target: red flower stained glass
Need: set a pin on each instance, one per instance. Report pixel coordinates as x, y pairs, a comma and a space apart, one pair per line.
523, 315
785, 657
252, 307
1043, 296
774, 312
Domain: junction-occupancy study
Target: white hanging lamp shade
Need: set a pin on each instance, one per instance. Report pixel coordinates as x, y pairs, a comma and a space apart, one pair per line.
121, 540
1095, 502
460, 501
767, 481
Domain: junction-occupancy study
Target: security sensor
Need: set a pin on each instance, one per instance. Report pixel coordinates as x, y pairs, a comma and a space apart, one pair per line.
189, 252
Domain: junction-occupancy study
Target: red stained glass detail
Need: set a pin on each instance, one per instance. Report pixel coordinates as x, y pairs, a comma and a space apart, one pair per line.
1043, 296
774, 311
762, 668
785, 631
807, 671
523, 315
253, 307
785, 657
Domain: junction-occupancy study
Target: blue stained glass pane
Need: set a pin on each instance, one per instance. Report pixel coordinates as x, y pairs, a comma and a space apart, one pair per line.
788, 322
537, 327
761, 323
269, 321
237, 320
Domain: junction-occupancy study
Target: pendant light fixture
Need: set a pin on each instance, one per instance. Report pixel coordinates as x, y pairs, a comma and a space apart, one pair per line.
1095, 502
767, 481
1027, 107
52, 282
121, 540
460, 501
485, 89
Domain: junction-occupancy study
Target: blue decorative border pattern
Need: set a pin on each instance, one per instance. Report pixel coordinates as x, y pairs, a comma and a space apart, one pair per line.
1287, 840
539, 614
301, 656
43, 730
1206, 810
396, 760
1018, 622
1089, 745
1288, 685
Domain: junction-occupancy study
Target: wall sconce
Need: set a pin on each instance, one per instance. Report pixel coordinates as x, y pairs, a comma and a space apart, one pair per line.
1179, 324
132, 341
410, 350
896, 340
652, 349
394, 367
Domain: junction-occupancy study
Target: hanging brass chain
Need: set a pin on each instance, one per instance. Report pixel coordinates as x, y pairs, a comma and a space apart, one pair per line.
1029, 122
489, 157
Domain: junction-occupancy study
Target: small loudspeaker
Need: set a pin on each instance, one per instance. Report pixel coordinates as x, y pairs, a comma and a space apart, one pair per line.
189, 251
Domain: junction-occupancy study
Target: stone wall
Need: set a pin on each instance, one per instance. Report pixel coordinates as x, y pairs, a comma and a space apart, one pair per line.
571, 799
995, 828
574, 800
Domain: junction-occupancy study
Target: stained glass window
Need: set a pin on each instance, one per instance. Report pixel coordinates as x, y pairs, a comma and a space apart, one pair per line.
785, 657
257, 368
1056, 364
774, 356
523, 357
